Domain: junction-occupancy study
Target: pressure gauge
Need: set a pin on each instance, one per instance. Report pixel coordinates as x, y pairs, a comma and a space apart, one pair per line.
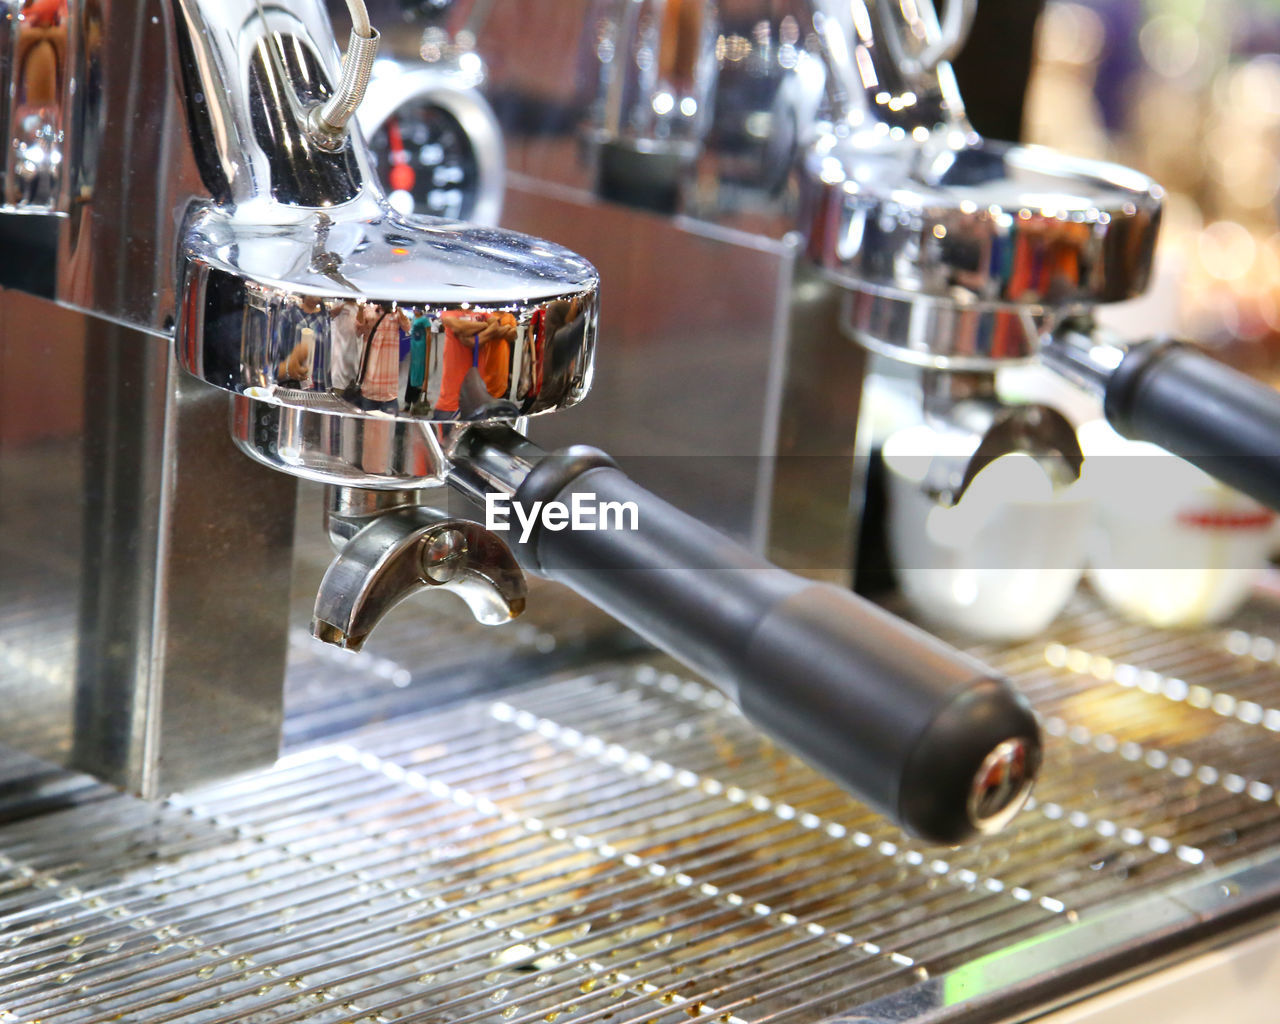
436, 144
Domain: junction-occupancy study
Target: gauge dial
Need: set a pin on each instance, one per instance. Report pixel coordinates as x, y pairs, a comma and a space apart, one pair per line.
426, 162
437, 149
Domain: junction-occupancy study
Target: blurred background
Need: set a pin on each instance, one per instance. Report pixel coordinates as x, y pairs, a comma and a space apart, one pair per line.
1189, 92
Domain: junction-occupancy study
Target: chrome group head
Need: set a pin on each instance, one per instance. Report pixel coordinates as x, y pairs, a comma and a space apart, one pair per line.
956, 251
340, 324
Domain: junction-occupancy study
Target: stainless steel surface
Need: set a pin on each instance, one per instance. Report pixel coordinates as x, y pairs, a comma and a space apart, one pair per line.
492, 461
259, 72
888, 63
298, 229
766, 91
347, 510
655, 70
311, 438
923, 40
1085, 354
156, 138
948, 241
144, 647
726, 325
735, 332
130, 165
185, 137
616, 843
152, 582
242, 318
610, 843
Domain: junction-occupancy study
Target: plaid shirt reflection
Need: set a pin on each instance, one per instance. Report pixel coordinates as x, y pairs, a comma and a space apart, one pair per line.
382, 377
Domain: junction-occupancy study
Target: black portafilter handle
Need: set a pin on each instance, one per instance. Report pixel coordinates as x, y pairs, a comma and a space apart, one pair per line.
920, 731
1213, 416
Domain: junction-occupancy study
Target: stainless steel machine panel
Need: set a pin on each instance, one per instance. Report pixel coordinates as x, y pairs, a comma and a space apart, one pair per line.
116, 579
736, 333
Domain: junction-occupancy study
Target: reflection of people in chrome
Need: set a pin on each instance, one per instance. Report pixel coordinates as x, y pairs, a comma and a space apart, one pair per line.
558, 344
479, 340
303, 339
344, 344
419, 359
378, 381
494, 351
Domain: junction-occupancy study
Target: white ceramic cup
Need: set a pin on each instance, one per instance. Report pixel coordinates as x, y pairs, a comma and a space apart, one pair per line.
1172, 546
1003, 562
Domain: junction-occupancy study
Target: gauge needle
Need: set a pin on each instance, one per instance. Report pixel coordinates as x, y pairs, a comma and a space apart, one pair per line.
401, 176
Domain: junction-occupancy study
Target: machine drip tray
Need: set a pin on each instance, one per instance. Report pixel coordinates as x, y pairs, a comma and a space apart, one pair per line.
615, 843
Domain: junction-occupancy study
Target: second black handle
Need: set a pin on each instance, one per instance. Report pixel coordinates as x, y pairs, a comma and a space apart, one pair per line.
922, 732
1215, 417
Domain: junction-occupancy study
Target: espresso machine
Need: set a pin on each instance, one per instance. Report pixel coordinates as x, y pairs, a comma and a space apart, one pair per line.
208, 516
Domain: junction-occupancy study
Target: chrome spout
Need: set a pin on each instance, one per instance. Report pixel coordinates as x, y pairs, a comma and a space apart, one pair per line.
975, 427
406, 549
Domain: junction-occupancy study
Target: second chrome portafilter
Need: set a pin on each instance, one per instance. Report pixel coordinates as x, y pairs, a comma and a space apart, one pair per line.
961, 255
383, 354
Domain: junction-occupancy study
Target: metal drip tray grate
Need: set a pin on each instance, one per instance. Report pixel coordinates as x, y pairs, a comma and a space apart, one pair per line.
622, 846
